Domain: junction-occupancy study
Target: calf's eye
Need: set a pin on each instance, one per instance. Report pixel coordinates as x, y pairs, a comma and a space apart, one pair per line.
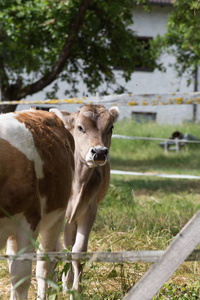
110, 130
80, 128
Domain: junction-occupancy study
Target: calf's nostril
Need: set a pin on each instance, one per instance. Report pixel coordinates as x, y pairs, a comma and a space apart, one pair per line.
103, 151
106, 151
99, 150
93, 151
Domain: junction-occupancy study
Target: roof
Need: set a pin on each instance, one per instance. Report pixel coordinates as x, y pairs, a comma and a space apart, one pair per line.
161, 2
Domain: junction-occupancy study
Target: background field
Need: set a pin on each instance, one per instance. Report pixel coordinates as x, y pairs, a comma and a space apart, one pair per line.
140, 213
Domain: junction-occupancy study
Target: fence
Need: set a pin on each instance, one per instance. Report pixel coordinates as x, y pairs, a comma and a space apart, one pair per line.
122, 99
181, 248
179, 143
165, 262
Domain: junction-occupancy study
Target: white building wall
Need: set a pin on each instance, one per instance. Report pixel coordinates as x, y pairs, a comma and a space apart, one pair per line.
145, 25
165, 114
150, 25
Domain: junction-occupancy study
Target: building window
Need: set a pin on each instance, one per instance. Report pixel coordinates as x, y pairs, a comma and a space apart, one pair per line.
144, 116
143, 46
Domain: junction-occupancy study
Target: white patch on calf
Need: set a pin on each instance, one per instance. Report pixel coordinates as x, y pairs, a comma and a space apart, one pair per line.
22, 236
12, 227
89, 158
19, 136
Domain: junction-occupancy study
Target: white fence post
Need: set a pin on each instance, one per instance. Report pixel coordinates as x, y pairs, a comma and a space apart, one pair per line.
179, 249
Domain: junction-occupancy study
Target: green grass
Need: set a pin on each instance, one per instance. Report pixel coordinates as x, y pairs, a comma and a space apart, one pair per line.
148, 156
140, 213
145, 213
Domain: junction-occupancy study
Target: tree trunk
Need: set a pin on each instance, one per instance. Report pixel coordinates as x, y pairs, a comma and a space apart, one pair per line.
62, 59
18, 92
6, 108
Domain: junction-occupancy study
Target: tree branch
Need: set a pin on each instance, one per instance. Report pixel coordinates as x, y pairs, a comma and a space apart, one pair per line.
196, 7
64, 55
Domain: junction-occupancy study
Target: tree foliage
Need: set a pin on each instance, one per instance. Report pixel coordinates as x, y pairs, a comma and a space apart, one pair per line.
182, 38
43, 40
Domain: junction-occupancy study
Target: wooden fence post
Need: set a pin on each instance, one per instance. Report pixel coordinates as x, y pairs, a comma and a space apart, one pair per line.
178, 250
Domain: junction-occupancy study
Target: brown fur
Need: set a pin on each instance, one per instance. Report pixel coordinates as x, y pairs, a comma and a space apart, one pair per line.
27, 202
18, 185
55, 146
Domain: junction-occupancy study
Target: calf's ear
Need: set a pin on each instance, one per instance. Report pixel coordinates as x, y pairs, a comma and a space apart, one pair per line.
65, 116
114, 111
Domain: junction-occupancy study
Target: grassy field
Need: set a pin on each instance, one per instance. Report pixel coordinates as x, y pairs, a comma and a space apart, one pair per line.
140, 213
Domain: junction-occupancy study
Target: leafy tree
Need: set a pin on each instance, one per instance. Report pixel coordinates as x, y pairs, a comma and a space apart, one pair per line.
43, 40
182, 38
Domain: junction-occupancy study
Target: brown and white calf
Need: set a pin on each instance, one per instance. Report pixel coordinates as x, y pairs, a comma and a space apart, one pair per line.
36, 171
91, 128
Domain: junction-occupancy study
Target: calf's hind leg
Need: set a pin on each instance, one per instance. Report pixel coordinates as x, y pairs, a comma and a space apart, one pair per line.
69, 240
20, 271
50, 232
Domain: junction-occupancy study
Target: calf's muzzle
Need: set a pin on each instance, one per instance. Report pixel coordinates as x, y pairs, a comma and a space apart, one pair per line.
99, 155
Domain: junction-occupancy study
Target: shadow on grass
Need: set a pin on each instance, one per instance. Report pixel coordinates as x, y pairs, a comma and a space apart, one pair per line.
190, 163
144, 185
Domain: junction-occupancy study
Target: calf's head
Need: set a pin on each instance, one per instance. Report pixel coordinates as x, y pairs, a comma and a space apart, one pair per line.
91, 128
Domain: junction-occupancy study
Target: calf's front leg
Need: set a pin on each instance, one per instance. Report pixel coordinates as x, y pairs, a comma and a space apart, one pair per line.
79, 241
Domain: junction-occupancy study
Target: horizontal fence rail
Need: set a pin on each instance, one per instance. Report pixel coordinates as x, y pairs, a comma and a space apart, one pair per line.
126, 137
106, 257
175, 141
122, 99
175, 176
